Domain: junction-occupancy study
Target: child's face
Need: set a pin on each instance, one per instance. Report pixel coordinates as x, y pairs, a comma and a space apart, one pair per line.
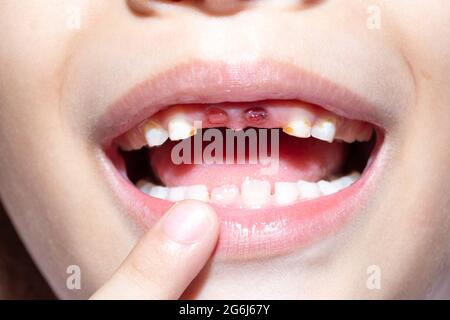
64, 65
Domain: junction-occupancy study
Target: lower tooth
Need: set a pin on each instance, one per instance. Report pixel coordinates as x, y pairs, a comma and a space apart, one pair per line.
144, 186
285, 193
227, 194
308, 190
347, 181
255, 193
176, 194
198, 192
327, 188
159, 192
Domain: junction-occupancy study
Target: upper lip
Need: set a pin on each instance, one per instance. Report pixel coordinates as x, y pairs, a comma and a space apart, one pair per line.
216, 81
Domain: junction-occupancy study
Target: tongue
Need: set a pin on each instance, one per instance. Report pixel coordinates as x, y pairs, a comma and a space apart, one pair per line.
299, 159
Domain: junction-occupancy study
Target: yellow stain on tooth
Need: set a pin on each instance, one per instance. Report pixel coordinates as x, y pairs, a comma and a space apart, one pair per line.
288, 130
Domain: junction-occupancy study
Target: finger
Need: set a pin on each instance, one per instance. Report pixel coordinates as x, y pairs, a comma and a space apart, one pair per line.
168, 257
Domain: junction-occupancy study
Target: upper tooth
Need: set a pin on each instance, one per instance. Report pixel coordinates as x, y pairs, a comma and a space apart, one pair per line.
176, 193
298, 128
285, 193
197, 192
324, 129
180, 128
227, 194
308, 190
366, 135
255, 193
155, 134
327, 188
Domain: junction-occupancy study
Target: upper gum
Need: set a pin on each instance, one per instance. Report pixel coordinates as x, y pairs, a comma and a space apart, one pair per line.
280, 114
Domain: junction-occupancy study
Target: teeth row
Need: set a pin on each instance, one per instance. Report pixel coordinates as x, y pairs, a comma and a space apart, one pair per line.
253, 193
180, 128
322, 129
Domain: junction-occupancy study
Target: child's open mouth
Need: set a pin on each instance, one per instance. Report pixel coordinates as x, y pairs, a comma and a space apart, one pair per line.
279, 172
245, 155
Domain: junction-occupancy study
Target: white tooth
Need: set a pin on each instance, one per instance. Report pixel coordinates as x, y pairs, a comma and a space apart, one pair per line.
155, 135
308, 190
327, 188
144, 186
348, 180
197, 192
226, 194
324, 129
366, 135
159, 192
285, 193
176, 193
298, 128
255, 193
180, 128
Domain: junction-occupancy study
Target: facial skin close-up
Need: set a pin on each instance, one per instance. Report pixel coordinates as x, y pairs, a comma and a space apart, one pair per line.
95, 96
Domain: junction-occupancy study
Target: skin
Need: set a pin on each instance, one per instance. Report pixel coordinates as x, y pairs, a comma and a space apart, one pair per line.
65, 213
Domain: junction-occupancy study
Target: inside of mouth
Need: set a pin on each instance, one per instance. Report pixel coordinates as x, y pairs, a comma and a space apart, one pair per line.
271, 153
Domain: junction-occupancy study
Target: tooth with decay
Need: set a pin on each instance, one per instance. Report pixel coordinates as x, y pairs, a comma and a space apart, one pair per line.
307, 190
298, 128
159, 192
197, 192
176, 194
180, 128
255, 193
324, 129
226, 194
327, 188
155, 134
285, 193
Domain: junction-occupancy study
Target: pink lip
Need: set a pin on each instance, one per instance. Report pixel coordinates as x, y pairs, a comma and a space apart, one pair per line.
215, 82
244, 233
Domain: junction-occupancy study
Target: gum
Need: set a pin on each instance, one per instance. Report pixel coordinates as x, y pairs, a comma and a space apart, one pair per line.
260, 114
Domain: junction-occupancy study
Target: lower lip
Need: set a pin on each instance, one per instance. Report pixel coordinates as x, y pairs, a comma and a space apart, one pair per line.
250, 234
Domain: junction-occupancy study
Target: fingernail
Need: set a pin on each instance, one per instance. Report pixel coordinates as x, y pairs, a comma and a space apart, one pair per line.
187, 222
